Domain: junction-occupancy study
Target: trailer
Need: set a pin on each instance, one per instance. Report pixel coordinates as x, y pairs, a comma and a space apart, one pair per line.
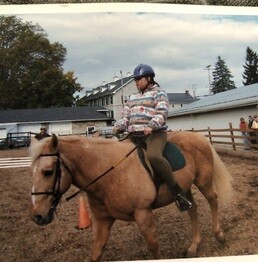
18, 139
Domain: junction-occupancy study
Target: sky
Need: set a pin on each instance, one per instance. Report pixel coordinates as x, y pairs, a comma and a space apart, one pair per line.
178, 45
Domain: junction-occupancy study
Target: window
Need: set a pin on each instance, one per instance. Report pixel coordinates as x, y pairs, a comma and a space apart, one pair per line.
107, 100
89, 130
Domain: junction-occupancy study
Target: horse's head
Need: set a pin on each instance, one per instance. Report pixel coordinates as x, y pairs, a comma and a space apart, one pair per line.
51, 178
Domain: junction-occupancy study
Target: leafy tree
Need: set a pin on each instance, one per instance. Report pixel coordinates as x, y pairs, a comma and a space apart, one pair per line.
250, 74
31, 73
221, 77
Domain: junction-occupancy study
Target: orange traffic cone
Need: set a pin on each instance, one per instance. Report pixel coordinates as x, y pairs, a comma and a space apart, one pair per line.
84, 219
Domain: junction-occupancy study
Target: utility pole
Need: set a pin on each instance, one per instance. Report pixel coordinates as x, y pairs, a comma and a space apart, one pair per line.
208, 68
122, 83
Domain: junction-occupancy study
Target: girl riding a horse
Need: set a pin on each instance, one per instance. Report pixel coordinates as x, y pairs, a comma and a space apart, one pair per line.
147, 112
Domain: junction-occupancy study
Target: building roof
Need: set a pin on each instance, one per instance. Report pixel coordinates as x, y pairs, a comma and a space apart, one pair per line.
107, 88
180, 98
59, 114
239, 97
113, 87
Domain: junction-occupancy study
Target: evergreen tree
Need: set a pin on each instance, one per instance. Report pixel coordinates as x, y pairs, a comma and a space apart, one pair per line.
221, 77
250, 74
31, 68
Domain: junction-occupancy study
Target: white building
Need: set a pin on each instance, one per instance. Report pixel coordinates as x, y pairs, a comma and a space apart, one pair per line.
60, 120
112, 96
217, 111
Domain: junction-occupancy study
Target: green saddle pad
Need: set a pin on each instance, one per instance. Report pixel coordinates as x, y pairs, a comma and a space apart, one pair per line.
174, 156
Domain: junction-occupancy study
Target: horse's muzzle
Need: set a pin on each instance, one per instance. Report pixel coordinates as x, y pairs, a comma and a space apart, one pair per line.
42, 220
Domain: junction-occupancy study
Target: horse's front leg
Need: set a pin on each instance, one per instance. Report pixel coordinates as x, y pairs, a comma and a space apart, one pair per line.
101, 234
145, 221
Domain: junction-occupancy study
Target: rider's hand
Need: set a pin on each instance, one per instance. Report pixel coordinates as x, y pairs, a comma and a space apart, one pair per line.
117, 130
147, 131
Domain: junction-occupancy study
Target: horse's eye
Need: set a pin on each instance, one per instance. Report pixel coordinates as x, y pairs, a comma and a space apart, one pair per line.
48, 173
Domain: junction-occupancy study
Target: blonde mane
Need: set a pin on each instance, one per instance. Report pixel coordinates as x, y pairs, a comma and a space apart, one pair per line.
37, 147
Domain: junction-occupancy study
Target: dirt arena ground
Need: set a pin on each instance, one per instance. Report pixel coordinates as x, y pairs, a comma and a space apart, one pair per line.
22, 240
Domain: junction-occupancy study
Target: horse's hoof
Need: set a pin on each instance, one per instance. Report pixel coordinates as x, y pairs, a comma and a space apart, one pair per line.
191, 252
157, 256
220, 237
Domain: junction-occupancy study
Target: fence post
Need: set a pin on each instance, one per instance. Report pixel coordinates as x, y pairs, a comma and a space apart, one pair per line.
232, 136
209, 133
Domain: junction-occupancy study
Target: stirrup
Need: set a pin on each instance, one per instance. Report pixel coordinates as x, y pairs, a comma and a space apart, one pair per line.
182, 203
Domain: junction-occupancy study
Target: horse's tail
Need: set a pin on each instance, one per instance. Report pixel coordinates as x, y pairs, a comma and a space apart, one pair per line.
222, 179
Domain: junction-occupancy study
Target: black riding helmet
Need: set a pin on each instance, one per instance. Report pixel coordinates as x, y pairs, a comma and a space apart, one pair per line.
143, 70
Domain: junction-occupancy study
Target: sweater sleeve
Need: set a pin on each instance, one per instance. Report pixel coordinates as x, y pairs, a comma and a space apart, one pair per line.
124, 121
161, 110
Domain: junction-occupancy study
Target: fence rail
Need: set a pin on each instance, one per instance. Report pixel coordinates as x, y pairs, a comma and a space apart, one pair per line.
14, 162
231, 137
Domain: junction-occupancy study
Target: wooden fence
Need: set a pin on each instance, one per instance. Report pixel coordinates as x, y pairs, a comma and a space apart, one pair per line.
230, 137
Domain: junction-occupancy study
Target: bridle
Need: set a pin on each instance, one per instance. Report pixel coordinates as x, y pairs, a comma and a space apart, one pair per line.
55, 192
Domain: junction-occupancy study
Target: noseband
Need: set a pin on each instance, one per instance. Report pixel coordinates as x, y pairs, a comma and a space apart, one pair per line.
55, 192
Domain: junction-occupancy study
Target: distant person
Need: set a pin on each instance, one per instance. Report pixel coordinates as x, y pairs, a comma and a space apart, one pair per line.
243, 126
253, 122
253, 131
42, 134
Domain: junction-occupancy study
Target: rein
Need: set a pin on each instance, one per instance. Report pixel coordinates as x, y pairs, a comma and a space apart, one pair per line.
111, 168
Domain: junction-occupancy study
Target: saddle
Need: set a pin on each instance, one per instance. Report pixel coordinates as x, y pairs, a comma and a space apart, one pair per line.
171, 153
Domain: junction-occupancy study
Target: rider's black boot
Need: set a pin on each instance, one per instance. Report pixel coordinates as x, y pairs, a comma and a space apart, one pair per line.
181, 199
182, 202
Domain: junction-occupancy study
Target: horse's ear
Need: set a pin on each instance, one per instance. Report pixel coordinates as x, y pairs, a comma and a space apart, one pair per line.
54, 141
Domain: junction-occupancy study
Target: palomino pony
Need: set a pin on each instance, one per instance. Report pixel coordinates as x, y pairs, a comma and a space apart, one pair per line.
127, 192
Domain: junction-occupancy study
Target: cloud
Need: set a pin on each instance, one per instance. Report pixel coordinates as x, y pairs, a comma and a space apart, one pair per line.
178, 46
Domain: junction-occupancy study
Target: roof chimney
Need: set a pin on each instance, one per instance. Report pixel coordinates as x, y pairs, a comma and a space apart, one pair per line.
115, 78
103, 88
88, 93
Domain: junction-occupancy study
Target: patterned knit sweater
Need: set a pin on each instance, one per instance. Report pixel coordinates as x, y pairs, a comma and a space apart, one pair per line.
147, 109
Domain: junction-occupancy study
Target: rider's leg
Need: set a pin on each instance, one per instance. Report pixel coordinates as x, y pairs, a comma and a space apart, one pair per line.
155, 147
